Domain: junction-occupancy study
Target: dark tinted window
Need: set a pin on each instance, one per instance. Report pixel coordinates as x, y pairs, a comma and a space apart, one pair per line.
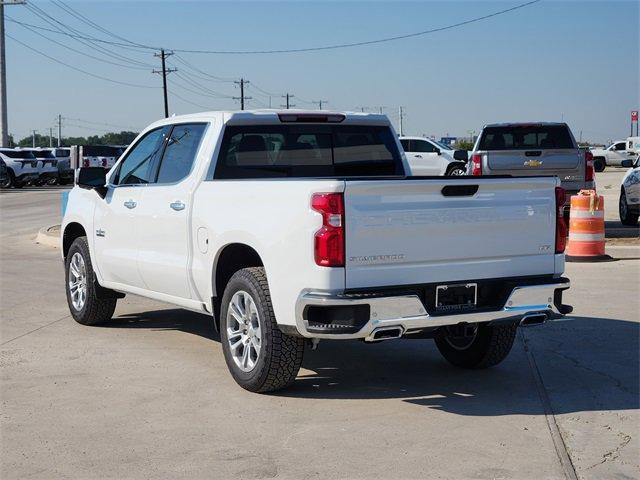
526, 137
619, 146
139, 166
405, 145
422, 146
43, 154
180, 152
18, 154
276, 151
101, 151
63, 152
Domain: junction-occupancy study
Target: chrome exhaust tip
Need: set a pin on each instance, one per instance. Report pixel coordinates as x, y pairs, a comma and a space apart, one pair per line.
533, 319
384, 333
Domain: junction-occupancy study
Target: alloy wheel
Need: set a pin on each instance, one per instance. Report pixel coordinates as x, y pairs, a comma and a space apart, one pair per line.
244, 333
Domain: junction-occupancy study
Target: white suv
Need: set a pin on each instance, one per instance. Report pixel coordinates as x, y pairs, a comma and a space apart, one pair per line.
22, 167
427, 157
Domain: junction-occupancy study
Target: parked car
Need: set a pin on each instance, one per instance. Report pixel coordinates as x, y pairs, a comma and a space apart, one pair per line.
614, 154
427, 157
297, 225
104, 156
47, 165
65, 172
629, 204
531, 149
22, 167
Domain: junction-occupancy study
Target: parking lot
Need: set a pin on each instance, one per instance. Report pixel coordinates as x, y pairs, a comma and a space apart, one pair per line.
149, 395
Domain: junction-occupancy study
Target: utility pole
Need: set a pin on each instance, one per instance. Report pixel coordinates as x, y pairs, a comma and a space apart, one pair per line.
380, 109
401, 121
165, 71
33, 139
50, 137
320, 102
4, 126
59, 130
288, 105
242, 98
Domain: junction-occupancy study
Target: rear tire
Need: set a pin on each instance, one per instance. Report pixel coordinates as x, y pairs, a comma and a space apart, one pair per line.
86, 307
489, 346
599, 164
10, 180
626, 217
259, 356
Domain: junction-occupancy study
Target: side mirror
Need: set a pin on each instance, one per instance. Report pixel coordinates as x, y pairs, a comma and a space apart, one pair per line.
438, 152
627, 163
93, 178
461, 155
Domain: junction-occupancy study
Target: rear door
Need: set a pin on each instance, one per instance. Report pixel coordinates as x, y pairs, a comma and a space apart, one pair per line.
528, 150
163, 224
403, 232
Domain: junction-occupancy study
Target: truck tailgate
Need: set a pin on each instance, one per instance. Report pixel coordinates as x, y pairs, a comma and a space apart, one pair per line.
405, 232
568, 164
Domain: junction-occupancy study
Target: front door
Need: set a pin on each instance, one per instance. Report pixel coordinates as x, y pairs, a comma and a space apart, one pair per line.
117, 217
425, 156
163, 255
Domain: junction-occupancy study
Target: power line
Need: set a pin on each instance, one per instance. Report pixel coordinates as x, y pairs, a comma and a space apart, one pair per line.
206, 74
91, 122
76, 68
296, 50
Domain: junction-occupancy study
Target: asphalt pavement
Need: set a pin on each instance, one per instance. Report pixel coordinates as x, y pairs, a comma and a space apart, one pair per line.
149, 396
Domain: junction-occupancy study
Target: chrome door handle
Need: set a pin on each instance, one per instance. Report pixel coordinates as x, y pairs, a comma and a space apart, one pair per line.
130, 204
418, 156
177, 206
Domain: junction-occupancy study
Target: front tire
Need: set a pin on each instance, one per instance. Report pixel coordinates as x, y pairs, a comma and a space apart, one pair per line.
86, 307
477, 346
626, 217
456, 171
599, 164
259, 356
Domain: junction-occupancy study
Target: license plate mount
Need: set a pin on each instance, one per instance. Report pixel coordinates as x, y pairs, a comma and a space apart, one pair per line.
458, 297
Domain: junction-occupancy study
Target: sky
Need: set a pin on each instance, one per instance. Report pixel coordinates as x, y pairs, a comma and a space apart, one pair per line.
576, 61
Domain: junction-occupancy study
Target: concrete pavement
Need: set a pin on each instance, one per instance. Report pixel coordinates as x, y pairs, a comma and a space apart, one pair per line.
149, 395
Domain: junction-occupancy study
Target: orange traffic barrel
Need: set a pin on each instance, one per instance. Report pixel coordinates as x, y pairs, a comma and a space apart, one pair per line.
586, 228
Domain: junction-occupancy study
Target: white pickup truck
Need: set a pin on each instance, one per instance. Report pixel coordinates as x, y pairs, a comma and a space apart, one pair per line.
290, 226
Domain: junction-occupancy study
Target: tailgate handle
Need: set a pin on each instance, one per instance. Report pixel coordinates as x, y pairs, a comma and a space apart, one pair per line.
459, 190
533, 153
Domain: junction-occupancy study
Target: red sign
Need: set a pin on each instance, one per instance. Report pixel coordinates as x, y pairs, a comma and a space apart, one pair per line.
634, 115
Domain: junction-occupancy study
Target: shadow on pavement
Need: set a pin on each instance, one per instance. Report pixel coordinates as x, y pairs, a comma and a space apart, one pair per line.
587, 364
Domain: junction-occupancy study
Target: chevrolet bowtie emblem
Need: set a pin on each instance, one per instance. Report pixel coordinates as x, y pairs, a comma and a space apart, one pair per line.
533, 163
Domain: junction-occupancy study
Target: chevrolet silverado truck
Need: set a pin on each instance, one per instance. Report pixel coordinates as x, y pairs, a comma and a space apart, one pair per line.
530, 149
287, 227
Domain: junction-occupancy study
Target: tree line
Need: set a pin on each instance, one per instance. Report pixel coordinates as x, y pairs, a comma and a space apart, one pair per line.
112, 138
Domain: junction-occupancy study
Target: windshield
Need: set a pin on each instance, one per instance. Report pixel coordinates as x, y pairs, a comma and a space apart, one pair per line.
526, 137
443, 146
266, 151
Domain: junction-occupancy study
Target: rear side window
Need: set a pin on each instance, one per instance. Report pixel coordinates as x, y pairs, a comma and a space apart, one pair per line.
18, 154
526, 137
281, 151
180, 152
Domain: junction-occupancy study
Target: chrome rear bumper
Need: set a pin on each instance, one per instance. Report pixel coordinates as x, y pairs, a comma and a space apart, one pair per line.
408, 312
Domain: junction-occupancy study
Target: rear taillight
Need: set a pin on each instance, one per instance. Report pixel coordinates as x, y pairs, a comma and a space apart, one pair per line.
85, 163
329, 240
588, 169
561, 227
476, 164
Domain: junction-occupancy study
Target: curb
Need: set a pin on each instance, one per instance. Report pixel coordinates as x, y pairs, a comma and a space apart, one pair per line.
49, 236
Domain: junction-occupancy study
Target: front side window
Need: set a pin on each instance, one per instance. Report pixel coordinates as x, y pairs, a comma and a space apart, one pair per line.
139, 166
180, 152
620, 146
422, 146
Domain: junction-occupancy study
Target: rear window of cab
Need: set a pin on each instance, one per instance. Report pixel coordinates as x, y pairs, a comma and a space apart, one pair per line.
526, 137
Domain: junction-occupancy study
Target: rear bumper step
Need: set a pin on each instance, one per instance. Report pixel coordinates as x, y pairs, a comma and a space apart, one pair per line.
375, 318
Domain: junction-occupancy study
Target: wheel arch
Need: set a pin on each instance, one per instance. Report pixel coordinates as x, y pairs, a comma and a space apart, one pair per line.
455, 164
72, 231
231, 258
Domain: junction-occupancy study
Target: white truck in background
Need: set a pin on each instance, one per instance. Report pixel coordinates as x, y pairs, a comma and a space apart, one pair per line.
616, 153
292, 226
